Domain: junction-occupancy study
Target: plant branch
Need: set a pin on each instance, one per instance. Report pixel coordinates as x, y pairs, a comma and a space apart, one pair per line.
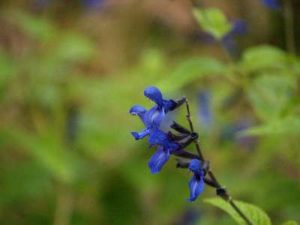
221, 191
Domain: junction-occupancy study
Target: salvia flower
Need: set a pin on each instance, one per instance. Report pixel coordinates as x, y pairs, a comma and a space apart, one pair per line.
272, 4
153, 117
239, 27
196, 184
166, 147
228, 41
173, 144
166, 142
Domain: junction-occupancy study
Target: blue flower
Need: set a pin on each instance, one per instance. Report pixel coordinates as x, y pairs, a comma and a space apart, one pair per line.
153, 117
166, 146
239, 27
158, 137
228, 41
196, 184
155, 95
272, 4
205, 111
230, 133
159, 159
93, 4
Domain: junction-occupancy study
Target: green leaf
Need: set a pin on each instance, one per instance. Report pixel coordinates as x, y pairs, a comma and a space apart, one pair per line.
254, 214
47, 151
289, 125
213, 21
290, 222
36, 27
263, 57
270, 102
191, 70
74, 47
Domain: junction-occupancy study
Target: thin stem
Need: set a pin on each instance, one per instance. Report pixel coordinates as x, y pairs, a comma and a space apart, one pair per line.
289, 26
189, 118
237, 209
223, 192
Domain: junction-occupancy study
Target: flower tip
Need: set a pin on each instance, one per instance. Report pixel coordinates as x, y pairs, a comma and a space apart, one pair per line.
154, 170
154, 94
136, 135
137, 110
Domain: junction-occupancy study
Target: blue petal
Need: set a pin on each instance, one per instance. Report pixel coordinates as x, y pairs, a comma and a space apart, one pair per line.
196, 186
153, 117
195, 166
140, 135
137, 110
158, 160
157, 137
154, 94
239, 27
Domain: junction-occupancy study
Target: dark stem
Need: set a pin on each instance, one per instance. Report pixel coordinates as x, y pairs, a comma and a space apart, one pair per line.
185, 154
289, 26
189, 118
221, 191
237, 209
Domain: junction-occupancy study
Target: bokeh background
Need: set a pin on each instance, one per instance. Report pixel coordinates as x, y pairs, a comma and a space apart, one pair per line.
70, 71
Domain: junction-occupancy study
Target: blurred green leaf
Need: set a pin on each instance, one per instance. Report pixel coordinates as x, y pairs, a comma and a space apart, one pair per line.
263, 57
47, 150
74, 47
213, 21
191, 70
6, 66
36, 27
7, 69
254, 214
23, 181
270, 94
289, 125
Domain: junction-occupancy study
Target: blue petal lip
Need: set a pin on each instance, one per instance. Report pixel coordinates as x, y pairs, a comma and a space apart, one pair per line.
154, 94
153, 117
137, 110
140, 135
158, 160
196, 186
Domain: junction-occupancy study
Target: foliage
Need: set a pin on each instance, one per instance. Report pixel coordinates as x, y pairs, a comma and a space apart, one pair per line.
65, 130
255, 214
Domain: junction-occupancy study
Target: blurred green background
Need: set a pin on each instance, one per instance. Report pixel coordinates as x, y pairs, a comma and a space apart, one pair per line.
70, 71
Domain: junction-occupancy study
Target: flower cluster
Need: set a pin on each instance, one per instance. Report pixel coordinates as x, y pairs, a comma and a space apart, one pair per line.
171, 142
